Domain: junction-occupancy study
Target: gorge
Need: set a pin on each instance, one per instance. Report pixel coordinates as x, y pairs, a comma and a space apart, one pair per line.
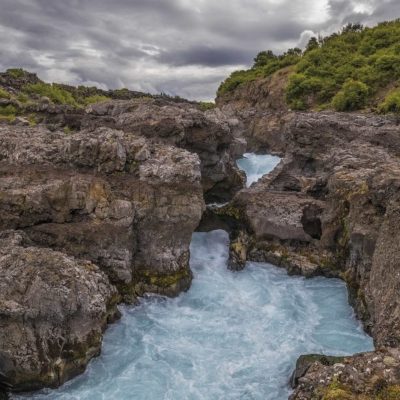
232, 335
109, 206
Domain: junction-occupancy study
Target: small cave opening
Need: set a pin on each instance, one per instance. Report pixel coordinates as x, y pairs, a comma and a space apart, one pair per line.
311, 221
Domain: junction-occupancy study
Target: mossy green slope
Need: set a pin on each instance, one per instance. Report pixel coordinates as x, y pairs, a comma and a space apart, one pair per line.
354, 69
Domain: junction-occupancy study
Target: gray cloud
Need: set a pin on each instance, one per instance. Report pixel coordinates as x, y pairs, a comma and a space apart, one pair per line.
181, 47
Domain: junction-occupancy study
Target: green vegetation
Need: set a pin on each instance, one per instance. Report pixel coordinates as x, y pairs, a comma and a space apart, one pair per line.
16, 72
7, 110
60, 94
22, 98
348, 70
391, 103
205, 105
265, 64
4, 94
352, 96
95, 99
7, 113
53, 92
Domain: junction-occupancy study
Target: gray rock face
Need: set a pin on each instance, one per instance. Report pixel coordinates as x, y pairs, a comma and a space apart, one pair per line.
53, 311
209, 134
330, 208
107, 196
104, 200
364, 376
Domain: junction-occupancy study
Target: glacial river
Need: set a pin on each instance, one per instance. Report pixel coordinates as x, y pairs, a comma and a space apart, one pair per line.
231, 336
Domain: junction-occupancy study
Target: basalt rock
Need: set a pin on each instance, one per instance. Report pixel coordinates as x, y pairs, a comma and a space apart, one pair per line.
88, 219
53, 311
374, 375
107, 196
332, 208
209, 134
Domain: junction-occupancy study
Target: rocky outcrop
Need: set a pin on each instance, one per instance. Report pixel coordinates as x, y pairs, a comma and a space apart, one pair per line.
209, 134
104, 216
107, 196
331, 208
53, 311
261, 109
374, 375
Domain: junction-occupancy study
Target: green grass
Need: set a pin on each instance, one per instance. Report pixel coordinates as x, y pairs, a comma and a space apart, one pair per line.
346, 70
4, 94
94, 99
391, 104
7, 111
52, 91
16, 72
205, 105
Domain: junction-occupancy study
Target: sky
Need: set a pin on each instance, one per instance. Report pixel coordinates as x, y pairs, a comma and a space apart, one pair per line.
179, 47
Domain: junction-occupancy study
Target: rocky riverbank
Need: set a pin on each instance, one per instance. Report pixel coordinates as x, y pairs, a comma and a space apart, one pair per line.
330, 208
99, 204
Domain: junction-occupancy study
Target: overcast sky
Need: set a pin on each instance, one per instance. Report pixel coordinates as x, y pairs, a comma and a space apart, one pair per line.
180, 47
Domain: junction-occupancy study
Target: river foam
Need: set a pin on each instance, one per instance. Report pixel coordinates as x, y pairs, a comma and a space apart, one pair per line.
231, 336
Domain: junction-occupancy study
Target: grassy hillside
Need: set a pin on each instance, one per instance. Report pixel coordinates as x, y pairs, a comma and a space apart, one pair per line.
22, 93
357, 68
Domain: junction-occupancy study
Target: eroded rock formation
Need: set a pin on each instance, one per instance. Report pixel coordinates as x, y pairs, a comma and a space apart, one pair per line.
53, 311
95, 216
330, 208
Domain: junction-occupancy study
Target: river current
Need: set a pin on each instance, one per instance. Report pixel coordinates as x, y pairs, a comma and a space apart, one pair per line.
233, 335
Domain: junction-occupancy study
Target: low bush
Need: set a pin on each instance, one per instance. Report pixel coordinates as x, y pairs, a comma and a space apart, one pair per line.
16, 72
94, 99
8, 110
4, 94
352, 96
54, 93
205, 105
391, 104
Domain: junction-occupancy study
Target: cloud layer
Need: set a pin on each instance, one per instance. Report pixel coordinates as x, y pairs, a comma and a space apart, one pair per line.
180, 47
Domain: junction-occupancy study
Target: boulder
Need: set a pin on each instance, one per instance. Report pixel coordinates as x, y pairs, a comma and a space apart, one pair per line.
53, 311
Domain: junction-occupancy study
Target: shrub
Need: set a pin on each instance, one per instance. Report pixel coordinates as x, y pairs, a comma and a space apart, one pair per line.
369, 56
4, 94
8, 110
16, 72
303, 91
205, 105
391, 103
352, 96
54, 93
23, 98
95, 99
7, 113
265, 64
263, 58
